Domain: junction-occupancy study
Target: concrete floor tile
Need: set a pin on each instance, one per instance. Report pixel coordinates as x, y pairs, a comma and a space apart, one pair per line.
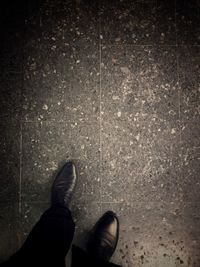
189, 71
187, 18
9, 188
46, 146
10, 161
10, 90
155, 234
189, 176
12, 61
57, 86
140, 123
138, 22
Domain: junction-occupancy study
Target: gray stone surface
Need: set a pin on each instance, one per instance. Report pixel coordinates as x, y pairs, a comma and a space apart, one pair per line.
10, 146
60, 84
10, 89
9, 187
188, 20
140, 123
149, 235
47, 145
114, 86
189, 72
138, 22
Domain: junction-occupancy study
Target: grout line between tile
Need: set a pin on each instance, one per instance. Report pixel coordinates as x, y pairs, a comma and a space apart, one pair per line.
140, 45
20, 185
100, 125
175, 22
179, 103
178, 82
179, 92
179, 108
20, 171
150, 45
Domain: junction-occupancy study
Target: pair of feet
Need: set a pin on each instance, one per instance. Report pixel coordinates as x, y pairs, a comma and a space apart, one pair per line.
104, 237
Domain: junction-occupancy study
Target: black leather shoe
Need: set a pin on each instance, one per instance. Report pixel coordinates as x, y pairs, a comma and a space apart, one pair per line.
104, 237
64, 185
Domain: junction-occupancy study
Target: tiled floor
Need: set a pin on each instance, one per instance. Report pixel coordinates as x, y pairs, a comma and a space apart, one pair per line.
113, 85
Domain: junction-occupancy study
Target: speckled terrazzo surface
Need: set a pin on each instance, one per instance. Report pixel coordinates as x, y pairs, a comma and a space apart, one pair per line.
114, 86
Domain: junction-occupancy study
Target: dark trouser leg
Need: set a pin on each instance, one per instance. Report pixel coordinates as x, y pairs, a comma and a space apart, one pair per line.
81, 258
48, 242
